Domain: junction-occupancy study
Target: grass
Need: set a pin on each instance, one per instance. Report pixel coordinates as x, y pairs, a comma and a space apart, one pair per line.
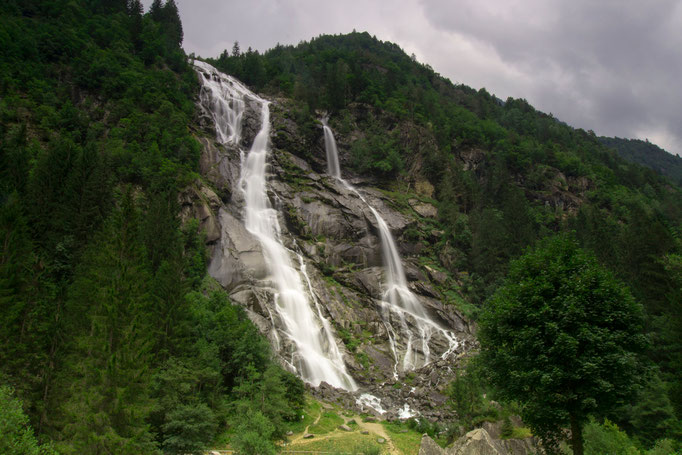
353, 443
310, 412
406, 443
521, 433
329, 421
329, 438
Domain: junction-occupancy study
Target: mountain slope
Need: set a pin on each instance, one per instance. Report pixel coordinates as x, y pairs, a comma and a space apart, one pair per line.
502, 174
647, 154
112, 188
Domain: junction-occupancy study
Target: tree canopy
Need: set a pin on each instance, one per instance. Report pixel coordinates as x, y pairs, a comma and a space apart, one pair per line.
562, 337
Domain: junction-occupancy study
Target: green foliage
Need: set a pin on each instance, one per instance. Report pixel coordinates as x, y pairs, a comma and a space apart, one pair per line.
114, 348
17, 435
607, 438
647, 154
329, 421
507, 428
186, 429
253, 435
561, 336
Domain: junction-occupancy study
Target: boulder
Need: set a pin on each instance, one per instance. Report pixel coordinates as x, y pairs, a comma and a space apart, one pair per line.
424, 209
345, 427
476, 442
525, 446
429, 447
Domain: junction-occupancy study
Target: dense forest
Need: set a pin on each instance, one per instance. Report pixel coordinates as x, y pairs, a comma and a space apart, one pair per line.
112, 337
647, 154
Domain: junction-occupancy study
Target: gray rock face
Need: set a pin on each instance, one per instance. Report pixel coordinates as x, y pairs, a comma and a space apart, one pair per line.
238, 257
201, 203
336, 233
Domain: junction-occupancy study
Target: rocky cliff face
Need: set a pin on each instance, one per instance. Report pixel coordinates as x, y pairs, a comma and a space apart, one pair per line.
337, 236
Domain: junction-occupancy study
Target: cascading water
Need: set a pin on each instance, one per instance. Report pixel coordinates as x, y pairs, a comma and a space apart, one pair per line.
398, 299
317, 357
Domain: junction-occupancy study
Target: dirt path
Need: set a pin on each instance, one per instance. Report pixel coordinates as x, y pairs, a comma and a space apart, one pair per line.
379, 430
298, 438
374, 428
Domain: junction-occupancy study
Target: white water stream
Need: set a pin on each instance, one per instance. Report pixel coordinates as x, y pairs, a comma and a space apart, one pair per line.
398, 300
317, 357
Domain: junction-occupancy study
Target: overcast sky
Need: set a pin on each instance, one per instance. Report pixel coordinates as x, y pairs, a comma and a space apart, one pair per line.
613, 66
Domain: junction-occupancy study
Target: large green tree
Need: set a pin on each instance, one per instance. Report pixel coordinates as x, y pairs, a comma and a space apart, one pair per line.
561, 337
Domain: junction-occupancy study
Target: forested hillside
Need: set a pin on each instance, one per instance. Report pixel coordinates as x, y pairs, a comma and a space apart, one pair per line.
647, 154
504, 174
112, 337
104, 334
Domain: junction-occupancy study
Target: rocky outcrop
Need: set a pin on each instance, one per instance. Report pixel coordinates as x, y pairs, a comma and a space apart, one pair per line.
202, 203
476, 442
479, 442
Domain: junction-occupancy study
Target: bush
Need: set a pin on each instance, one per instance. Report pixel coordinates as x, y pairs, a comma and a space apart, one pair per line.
607, 438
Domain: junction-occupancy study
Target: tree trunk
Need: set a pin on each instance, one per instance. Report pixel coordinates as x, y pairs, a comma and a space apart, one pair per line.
576, 436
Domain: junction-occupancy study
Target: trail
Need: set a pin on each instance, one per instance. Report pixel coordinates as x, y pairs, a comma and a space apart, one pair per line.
374, 428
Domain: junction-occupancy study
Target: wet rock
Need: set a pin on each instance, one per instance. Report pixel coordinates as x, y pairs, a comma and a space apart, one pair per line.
337, 236
238, 257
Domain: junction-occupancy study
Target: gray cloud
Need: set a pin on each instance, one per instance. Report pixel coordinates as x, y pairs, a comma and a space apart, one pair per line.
609, 65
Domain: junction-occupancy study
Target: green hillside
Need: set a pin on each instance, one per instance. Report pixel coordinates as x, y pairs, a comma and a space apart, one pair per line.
112, 337
647, 154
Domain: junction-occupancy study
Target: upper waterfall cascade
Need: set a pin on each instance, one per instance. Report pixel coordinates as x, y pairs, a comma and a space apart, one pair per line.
317, 357
400, 305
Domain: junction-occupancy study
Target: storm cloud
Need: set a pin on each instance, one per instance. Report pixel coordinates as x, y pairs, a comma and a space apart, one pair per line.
612, 66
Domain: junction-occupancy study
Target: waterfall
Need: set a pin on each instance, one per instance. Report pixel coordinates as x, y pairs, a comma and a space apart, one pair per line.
398, 299
317, 357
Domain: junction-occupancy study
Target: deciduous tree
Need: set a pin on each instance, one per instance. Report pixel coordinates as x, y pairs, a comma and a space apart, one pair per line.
561, 337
